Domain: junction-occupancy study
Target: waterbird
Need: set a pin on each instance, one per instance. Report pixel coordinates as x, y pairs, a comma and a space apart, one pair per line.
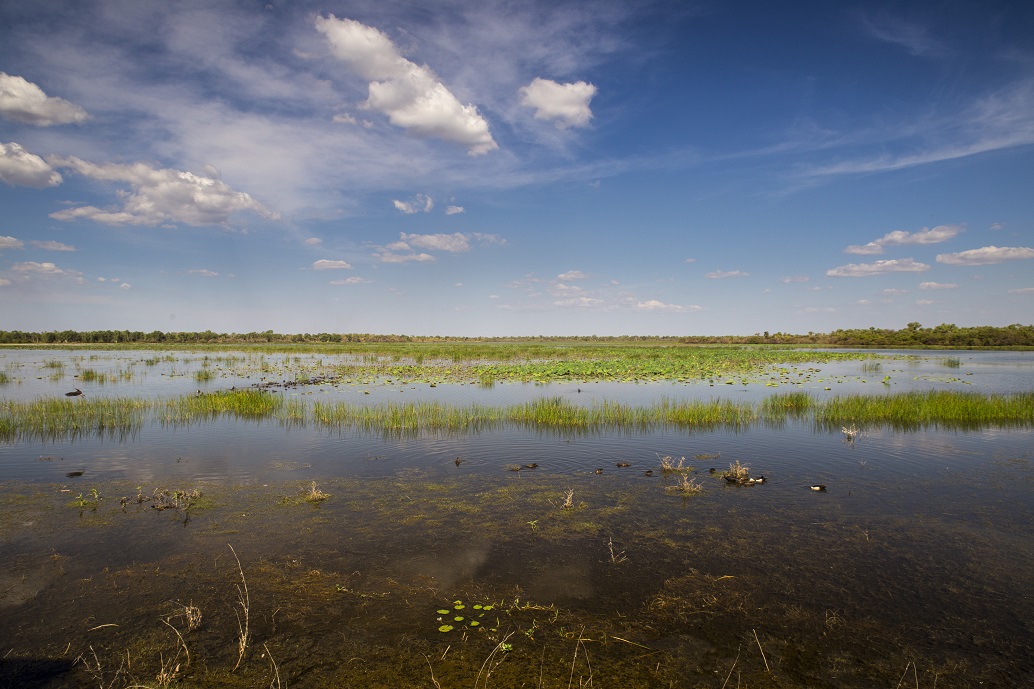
75, 393
622, 464
818, 487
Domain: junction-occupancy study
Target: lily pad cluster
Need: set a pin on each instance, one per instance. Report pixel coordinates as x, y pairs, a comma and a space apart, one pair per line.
459, 617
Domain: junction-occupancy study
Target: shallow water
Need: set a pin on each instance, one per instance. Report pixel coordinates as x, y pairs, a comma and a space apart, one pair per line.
914, 561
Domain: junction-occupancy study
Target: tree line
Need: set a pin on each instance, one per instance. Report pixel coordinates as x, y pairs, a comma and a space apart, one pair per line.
912, 335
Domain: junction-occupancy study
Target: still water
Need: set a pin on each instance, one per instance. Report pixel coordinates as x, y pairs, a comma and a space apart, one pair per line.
914, 561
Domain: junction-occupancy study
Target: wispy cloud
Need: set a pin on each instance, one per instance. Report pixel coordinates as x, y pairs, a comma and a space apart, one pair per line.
898, 265
203, 272
355, 280
937, 285
1022, 290
655, 306
986, 256
327, 264
722, 274
915, 38
418, 204
51, 245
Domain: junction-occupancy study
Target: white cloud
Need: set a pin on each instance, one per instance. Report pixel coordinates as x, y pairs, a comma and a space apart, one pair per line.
573, 275
453, 210
46, 268
23, 101
579, 302
937, 285
20, 168
1022, 290
10, 243
410, 95
986, 256
690, 260
566, 104
159, 196
795, 278
891, 291
349, 281
658, 306
419, 204
721, 274
313, 241
925, 302
324, 264
390, 256
125, 285
941, 233
4, 282
898, 265
51, 245
203, 272
456, 242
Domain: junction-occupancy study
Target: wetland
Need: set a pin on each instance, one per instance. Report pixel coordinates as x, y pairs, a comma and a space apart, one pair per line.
483, 515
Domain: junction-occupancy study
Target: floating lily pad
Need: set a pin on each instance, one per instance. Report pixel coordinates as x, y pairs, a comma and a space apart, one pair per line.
444, 612
445, 628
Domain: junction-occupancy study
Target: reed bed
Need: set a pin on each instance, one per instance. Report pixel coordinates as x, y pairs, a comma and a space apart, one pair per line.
61, 419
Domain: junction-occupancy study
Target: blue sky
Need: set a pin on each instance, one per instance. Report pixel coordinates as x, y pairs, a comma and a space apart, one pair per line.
500, 168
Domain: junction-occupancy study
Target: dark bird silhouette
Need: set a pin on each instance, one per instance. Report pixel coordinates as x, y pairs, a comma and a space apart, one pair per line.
75, 393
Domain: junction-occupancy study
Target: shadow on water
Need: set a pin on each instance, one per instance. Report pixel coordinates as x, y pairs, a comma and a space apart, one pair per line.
457, 577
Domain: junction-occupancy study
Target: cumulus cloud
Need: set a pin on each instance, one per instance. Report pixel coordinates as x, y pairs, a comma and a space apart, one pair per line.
656, 306
159, 196
986, 256
453, 210
411, 95
573, 275
24, 101
937, 285
51, 245
10, 243
891, 291
46, 268
936, 235
20, 168
406, 248
125, 285
565, 104
721, 274
418, 204
325, 264
897, 265
582, 302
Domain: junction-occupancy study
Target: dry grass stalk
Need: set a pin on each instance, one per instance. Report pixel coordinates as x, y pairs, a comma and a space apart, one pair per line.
615, 557
501, 646
686, 485
739, 472
315, 494
767, 668
568, 500
244, 600
669, 466
276, 670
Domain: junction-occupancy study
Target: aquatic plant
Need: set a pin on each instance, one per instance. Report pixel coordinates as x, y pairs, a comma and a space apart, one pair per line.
685, 485
315, 494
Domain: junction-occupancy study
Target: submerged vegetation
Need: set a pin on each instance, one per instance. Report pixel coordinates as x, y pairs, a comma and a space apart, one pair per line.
59, 419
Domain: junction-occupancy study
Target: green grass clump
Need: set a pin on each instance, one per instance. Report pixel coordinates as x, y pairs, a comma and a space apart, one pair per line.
56, 419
